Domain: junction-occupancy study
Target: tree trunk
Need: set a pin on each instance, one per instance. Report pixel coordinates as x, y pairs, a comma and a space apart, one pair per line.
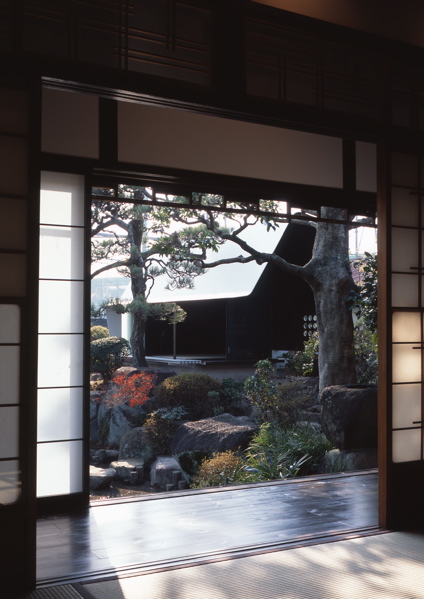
336, 359
329, 275
138, 289
137, 340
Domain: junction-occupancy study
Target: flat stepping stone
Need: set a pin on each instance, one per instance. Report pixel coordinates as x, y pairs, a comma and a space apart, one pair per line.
100, 477
124, 468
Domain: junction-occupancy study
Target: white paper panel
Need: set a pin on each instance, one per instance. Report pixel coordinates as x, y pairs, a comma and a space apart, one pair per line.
9, 374
404, 207
405, 291
407, 327
61, 307
62, 199
13, 165
60, 414
10, 323
59, 468
9, 482
406, 364
13, 279
406, 445
9, 432
404, 250
61, 253
406, 405
13, 224
229, 146
60, 360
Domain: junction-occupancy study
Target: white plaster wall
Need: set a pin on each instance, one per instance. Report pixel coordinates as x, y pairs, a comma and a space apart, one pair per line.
366, 166
164, 137
70, 123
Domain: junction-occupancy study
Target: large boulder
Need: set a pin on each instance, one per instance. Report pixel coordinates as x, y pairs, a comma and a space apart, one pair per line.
218, 433
349, 416
136, 445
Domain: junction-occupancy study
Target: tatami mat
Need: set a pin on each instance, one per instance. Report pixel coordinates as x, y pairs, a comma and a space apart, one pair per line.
384, 566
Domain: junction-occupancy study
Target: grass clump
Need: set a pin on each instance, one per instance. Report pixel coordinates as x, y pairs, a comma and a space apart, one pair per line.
280, 452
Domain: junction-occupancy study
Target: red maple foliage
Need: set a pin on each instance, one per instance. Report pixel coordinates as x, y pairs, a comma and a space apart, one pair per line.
133, 389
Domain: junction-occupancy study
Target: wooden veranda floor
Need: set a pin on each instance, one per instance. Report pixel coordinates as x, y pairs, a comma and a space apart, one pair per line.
123, 536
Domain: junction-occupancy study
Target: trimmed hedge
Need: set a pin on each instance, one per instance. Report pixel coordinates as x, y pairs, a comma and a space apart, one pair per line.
189, 391
98, 332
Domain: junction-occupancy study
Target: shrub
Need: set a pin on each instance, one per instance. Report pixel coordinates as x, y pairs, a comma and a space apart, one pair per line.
291, 399
190, 461
366, 355
132, 388
161, 426
98, 332
106, 355
221, 469
299, 449
301, 363
275, 402
190, 391
261, 389
228, 398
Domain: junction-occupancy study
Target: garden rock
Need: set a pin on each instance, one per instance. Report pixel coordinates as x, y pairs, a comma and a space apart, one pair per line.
219, 433
119, 425
94, 404
111, 455
100, 477
343, 460
124, 468
136, 445
349, 416
94, 432
165, 473
115, 422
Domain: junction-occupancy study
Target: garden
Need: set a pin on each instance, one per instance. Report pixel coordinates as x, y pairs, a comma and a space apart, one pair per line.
154, 430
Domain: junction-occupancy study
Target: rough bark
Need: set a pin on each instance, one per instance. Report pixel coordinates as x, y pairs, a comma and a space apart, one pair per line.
137, 341
138, 289
329, 275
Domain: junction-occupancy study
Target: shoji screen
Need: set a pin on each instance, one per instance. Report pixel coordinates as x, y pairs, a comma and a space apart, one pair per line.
60, 340
13, 249
407, 291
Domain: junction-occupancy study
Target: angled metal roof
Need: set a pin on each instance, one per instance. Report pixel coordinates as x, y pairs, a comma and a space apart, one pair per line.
225, 281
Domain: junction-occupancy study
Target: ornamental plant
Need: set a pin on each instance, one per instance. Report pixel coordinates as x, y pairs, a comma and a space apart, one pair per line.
132, 389
161, 426
189, 390
261, 389
221, 469
107, 355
